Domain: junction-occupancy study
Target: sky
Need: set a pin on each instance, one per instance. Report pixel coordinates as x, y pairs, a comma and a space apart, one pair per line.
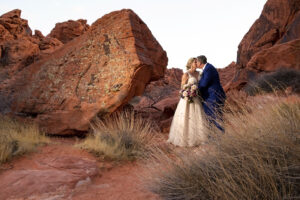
184, 28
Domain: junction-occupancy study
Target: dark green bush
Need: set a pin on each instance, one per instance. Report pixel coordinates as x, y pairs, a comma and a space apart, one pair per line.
274, 81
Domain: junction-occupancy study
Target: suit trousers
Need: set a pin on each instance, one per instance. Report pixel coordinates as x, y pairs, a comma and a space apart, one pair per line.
214, 113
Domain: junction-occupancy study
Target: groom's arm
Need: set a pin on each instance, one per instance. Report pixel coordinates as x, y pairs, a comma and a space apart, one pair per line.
205, 80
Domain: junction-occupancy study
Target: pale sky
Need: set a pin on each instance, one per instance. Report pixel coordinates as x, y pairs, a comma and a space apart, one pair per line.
184, 28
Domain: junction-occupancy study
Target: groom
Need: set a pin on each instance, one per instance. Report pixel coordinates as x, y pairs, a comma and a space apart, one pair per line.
211, 92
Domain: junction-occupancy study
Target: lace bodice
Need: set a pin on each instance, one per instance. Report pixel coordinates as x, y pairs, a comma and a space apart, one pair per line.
192, 79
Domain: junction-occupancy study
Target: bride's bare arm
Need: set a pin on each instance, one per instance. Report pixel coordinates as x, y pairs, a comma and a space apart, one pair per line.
184, 79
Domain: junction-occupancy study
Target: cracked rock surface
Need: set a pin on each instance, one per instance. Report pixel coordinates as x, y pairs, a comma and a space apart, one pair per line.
91, 75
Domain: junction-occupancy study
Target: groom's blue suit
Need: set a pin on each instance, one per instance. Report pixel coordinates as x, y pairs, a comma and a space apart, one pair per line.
212, 94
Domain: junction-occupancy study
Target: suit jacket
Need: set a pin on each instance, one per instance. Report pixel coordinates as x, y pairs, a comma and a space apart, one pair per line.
210, 87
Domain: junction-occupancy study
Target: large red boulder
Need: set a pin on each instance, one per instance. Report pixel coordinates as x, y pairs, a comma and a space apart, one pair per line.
282, 55
91, 75
67, 31
278, 23
271, 43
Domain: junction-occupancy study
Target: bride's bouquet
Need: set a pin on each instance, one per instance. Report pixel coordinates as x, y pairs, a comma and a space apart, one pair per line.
188, 92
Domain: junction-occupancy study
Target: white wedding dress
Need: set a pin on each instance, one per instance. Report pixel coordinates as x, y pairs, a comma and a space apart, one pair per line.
188, 125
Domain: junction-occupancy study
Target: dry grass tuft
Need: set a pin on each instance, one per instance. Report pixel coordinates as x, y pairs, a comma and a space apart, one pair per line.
121, 136
258, 157
17, 138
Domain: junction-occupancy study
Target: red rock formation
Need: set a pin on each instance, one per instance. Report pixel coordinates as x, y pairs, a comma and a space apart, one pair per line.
38, 34
227, 74
278, 23
67, 31
47, 45
234, 77
18, 48
160, 99
271, 43
280, 55
14, 25
91, 75
14, 43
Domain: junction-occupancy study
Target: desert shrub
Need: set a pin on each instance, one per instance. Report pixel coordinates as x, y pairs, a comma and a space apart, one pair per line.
17, 138
278, 80
258, 157
121, 136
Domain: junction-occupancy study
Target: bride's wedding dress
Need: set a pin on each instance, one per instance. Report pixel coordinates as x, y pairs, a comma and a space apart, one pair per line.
188, 125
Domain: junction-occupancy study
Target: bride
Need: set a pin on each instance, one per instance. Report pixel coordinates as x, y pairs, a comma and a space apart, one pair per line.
187, 128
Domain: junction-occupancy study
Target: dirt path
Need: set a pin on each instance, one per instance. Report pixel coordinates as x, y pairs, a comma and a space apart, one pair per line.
60, 171
120, 182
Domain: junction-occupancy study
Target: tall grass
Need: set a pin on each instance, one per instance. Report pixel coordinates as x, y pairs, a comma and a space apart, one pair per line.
258, 157
17, 138
121, 136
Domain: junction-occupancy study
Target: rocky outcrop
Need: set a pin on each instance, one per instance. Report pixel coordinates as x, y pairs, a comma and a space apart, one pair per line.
159, 101
226, 74
271, 43
91, 75
278, 56
18, 47
13, 27
277, 24
67, 31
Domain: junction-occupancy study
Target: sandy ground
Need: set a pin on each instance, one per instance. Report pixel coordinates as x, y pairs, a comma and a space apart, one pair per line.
111, 182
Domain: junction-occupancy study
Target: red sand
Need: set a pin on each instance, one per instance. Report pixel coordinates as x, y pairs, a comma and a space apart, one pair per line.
113, 181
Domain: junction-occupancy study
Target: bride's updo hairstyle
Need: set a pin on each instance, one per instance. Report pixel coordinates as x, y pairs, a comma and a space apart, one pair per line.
189, 63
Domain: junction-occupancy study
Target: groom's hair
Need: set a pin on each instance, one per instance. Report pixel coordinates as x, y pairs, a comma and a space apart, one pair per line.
202, 59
